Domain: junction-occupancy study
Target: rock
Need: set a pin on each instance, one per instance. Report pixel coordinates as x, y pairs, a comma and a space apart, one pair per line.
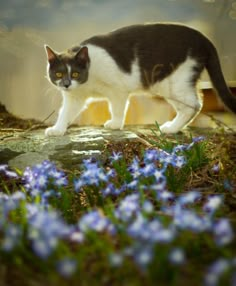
21, 149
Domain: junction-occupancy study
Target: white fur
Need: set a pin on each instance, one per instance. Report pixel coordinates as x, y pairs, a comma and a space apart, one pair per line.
106, 80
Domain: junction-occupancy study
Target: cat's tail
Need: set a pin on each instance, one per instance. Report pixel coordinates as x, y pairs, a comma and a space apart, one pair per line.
217, 78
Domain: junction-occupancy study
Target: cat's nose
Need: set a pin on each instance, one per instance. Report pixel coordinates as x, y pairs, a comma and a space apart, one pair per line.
66, 83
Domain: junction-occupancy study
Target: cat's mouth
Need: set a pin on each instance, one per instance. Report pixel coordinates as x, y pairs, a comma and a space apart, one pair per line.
68, 87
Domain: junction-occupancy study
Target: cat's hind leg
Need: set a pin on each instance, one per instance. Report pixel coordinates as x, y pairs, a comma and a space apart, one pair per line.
187, 106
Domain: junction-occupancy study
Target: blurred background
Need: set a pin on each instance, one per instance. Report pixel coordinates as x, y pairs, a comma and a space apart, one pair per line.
26, 25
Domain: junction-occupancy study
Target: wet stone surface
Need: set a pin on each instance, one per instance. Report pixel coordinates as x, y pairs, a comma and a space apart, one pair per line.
21, 149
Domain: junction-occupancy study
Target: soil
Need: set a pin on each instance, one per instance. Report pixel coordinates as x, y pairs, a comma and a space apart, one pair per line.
7, 121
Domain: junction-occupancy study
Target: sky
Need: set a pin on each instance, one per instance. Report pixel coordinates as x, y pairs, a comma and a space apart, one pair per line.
26, 25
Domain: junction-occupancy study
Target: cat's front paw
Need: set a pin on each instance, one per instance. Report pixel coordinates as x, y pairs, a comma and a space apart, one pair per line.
112, 124
168, 127
53, 131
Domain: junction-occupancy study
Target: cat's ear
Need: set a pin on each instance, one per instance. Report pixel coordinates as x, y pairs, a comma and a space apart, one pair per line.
82, 56
51, 55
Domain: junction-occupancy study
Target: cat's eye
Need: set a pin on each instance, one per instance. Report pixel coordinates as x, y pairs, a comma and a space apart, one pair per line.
58, 74
75, 74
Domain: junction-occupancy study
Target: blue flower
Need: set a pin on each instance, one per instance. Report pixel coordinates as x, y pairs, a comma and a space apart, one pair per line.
128, 207
228, 185
12, 236
215, 271
164, 235
96, 221
187, 219
213, 203
137, 228
177, 256
77, 236
45, 230
92, 175
43, 246
134, 168
147, 206
198, 139
148, 170
116, 156
216, 168
180, 148
116, 259
159, 187
159, 175
223, 232
189, 198
150, 155
38, 178
133, 185
178, 161
143, 255
66, 267
164, 195
165, 158
3, 167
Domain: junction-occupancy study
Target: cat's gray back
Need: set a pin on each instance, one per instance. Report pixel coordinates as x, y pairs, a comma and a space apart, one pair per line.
159, 48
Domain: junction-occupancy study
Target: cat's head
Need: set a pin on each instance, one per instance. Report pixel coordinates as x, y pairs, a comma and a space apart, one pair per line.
69, 69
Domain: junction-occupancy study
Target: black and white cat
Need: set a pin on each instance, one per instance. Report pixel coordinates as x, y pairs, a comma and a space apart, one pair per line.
142, 59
